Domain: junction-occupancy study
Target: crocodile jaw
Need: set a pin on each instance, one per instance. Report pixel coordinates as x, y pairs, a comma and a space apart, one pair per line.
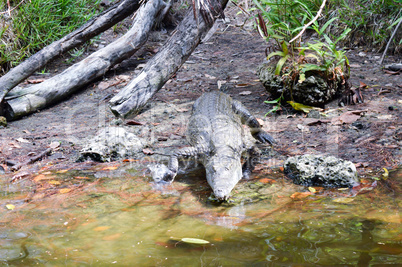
223, 177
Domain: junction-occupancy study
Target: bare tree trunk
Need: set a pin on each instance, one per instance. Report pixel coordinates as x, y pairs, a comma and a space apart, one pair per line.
92, 28
22, 101
162, 66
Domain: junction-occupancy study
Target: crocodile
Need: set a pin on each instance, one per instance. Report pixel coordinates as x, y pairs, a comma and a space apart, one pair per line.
217, 140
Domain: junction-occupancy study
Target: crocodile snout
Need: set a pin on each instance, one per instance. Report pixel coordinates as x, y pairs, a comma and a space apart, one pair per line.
221, 194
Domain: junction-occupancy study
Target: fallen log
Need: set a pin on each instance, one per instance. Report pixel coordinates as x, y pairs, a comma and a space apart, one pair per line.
23, 101
93, 27
163, 65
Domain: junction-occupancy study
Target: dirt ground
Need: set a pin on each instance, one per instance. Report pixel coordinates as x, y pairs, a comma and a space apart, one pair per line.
372, 141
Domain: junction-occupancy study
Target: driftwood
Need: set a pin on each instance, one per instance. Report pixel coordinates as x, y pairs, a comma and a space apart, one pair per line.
93, 27
22, 101
162, 66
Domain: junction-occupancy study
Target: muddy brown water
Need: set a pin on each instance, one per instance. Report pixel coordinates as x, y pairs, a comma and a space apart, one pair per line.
113, 214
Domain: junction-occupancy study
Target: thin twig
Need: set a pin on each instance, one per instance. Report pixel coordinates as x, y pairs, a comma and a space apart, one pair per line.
32, 160
389, 42
311, 22
11, 9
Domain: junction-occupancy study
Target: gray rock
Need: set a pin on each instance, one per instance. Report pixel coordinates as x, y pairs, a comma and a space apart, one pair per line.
112, 143
325, 171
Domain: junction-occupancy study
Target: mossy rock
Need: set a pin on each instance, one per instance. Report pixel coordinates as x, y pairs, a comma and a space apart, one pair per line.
3, 121
313, 91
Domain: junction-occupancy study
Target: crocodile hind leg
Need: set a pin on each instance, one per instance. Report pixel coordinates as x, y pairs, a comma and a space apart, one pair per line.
255, 127
253, 155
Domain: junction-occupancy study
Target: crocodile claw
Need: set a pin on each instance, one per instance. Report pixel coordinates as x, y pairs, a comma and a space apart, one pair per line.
264, 137
161, 174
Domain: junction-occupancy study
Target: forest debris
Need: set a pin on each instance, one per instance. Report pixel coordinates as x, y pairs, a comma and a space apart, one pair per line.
27, 100
110, 144
300, 195
158, 70
394, 67
22, 140
92, 28
343, 200
148, 151
352, 95
245, 93
32, 160
347, 117
134, 122
312, 122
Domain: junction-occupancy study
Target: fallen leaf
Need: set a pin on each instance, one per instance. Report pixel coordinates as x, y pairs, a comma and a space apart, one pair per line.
392, 72
129, 160
245, 93
343, 200
354, 66
10, 206
111, 237
312, 122
101, 228
300, 195
54, 145
14, 145
242, 84
22, 140
210, 77
147, 151
267, 181
62, 171
362, 85
347, 117
312, 189
34, 81
260, 121
385, 174
182, 109
81, 178
103, 85
41, 177
302, 107
109, 168
195, 241
54, 182
64, 190
133, 122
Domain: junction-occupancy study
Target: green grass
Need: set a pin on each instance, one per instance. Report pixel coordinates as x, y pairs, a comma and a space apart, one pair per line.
37, 23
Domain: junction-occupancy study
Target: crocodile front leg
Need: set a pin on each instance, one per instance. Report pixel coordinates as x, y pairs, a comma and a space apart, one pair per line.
185, 152
255, 127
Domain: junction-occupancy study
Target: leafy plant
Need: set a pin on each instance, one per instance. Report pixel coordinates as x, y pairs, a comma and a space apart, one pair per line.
282, 20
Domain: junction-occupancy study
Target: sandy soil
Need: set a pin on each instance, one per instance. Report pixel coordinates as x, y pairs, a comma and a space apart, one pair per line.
231, 55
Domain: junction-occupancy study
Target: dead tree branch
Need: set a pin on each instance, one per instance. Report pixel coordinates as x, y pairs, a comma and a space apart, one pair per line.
389, 41
32, 160
161, 67
22, 101
93, 27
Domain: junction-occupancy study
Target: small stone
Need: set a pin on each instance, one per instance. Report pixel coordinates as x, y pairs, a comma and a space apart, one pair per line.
362, 54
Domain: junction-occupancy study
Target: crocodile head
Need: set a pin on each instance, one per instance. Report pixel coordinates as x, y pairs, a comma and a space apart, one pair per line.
223, 173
